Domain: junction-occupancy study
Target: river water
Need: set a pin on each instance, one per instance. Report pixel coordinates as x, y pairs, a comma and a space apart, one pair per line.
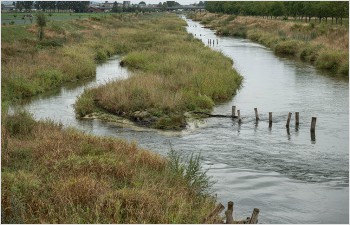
288, 176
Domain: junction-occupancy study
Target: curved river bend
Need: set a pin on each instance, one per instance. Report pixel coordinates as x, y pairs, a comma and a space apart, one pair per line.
290, 178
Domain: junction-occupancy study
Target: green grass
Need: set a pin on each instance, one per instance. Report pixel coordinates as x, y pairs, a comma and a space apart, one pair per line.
17, 17
173, 73
55, 175
70, 51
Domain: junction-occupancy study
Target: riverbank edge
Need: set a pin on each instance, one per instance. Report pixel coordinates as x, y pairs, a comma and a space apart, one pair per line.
52, 174
323, 58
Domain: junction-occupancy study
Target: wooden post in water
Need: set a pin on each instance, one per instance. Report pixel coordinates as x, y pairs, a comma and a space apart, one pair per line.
313, 124
288, 119
296, 119
233, 111
254, 218
217, 41
270, 119
256, 114
229, 213
239, 116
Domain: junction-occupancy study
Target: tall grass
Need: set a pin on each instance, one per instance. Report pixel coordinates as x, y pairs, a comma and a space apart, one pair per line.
55, 175
173, 73
324, 45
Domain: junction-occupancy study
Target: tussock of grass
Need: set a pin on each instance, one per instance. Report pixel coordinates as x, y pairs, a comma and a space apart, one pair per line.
314, 43
55, 175
173, 73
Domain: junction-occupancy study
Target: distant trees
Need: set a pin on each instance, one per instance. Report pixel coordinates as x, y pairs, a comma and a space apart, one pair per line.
298, 9
54, 6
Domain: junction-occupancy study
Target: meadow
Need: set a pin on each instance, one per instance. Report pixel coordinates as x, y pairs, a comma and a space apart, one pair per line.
69, 51
321, 44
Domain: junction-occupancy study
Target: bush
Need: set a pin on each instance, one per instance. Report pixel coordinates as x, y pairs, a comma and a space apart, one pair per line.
288, 47
20, 124
191, 170
329, 60
84, 104
49, 78
12, 22
101, 56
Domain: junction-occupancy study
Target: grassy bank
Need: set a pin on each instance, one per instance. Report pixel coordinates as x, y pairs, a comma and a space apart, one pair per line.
56, 175
173, 73
323, 45
69, 51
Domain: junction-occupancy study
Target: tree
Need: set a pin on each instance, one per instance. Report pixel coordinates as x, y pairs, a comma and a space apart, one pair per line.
41, 22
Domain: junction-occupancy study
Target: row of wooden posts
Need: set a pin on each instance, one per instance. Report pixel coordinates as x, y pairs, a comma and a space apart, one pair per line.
313, 120
212, 217
212, 41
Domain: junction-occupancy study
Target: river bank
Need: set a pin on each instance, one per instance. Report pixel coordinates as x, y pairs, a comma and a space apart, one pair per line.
52, 174
324, 46
173, 73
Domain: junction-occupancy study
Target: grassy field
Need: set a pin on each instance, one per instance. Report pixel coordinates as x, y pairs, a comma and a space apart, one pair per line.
173, 73
55, 175
16, 18
69, 51
324, 45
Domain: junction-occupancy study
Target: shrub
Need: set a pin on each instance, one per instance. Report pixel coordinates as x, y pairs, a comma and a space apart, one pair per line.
12, 22
20, 124
101, 56
84, 104
290, 47
329, 60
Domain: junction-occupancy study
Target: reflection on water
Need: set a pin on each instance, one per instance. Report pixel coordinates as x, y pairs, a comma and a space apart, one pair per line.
290, 178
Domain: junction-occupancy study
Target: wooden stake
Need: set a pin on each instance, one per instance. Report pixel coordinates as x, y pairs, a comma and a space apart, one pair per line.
233, 111
256, 113
288, 120
239, 116
229, 213
296, 119
254, 218
270, 119
313, 124
217, 41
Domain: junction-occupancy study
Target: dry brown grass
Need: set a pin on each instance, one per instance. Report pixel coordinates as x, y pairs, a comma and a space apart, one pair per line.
55, 175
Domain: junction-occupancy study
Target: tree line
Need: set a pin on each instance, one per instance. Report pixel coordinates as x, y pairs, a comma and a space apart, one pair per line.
302, 10
53, 6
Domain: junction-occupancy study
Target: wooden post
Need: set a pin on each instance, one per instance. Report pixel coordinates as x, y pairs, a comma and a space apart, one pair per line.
270, 119
217, 41
296, 119
288, 120
229, 213
254, 218
313, 124
215, 212
239, 116
256, 113
233, 111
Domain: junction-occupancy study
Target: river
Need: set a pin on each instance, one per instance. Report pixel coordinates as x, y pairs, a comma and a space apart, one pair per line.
288, 176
